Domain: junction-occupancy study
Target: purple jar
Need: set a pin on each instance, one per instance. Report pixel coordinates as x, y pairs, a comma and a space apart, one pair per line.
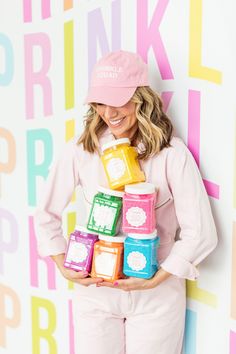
79, 252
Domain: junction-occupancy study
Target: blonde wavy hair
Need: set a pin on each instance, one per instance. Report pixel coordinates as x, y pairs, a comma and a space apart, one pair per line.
154, 127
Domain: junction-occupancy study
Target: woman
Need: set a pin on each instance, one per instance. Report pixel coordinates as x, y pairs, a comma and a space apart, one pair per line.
132, 315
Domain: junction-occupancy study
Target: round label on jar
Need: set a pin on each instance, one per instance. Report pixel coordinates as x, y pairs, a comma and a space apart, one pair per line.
136, 261
136, 216
116, 168
105, 263
77, 252
104, 216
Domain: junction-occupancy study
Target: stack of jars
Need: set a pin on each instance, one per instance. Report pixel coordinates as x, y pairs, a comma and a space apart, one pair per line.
129, 205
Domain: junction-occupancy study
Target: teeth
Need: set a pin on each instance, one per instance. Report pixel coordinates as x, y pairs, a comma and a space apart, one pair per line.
115, 122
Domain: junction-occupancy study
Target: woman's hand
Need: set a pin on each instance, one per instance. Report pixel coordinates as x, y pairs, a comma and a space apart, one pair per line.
80, 277
132, 283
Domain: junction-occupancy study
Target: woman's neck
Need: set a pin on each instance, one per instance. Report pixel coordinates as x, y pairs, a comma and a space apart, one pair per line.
131, 134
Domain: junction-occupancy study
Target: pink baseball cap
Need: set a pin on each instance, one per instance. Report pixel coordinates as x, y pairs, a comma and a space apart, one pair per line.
115, 78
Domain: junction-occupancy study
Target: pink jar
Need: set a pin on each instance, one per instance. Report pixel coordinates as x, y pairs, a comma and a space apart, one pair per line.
139, 208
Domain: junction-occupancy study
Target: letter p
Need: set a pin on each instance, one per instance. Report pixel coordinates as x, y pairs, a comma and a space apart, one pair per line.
8, 321
7, 244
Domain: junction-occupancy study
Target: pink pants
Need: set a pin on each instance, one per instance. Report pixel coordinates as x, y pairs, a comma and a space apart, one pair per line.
111, 321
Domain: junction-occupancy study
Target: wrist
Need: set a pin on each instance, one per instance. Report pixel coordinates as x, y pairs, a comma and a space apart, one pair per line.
160, 276
59, 259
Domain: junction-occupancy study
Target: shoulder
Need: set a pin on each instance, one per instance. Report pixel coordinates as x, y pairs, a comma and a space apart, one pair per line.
177, 149
71, 147
180, 159
177, 145
70, 150
177, 155
105, 137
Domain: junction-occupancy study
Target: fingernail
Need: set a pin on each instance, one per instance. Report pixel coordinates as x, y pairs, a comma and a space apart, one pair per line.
116, 283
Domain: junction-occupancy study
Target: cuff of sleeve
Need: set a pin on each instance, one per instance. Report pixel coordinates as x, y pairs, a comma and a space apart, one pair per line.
178, 266
55, 246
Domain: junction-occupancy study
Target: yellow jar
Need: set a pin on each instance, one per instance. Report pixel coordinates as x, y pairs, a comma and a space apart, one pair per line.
121, 164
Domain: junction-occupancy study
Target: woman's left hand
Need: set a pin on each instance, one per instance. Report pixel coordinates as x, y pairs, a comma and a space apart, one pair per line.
132, 283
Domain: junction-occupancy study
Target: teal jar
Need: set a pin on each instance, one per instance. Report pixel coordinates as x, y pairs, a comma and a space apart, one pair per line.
140, 255
105, 213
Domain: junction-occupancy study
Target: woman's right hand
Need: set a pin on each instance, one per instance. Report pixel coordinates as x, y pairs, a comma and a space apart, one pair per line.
80, 277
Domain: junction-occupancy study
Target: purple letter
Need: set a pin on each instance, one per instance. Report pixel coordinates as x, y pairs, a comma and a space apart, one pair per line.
12, 244
97, 33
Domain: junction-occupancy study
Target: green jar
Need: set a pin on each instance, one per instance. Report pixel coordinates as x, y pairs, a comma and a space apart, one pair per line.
105, 212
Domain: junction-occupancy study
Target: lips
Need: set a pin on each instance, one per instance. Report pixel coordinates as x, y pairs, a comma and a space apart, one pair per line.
116, 122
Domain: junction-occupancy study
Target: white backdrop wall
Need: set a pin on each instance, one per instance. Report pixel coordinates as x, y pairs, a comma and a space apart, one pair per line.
47, 50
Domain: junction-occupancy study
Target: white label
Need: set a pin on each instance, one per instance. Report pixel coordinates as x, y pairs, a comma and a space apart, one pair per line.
105, 263
116, 168
136, 261
104, 216
77, 252
136, 216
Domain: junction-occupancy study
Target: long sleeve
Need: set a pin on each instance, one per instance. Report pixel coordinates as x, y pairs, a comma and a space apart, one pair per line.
57, 193
198, 235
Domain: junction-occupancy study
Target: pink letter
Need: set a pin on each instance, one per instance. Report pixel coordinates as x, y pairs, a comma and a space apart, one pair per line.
194, 104
166, 98
150, 36
232, 342
71, 329
40, 77
45, 6
34, 258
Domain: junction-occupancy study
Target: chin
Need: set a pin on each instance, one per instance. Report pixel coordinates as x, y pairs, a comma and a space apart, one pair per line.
122, 133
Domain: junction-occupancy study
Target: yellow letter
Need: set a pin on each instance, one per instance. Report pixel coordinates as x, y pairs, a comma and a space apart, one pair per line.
43, 333
196, 69
201, 295
69, 64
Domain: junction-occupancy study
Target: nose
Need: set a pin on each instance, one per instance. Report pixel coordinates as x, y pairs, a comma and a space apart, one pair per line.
110, 112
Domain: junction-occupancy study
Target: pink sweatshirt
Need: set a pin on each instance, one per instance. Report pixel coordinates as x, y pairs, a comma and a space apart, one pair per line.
184, 219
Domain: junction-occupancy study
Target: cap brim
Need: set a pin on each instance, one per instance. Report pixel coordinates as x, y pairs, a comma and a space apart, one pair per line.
112, 96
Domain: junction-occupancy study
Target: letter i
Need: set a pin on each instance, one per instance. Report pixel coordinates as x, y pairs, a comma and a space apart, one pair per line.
69, 64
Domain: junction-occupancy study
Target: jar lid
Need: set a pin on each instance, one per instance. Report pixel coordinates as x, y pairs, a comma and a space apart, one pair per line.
110, 191
140, 188
116, 239
84, 229
114, 143
143, 236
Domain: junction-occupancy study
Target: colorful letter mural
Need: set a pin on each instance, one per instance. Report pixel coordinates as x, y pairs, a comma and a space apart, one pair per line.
47, 51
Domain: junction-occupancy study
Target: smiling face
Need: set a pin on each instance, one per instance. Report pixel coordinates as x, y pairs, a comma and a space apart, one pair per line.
122, 120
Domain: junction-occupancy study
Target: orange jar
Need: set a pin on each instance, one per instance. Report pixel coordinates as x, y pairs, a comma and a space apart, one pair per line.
108, 258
